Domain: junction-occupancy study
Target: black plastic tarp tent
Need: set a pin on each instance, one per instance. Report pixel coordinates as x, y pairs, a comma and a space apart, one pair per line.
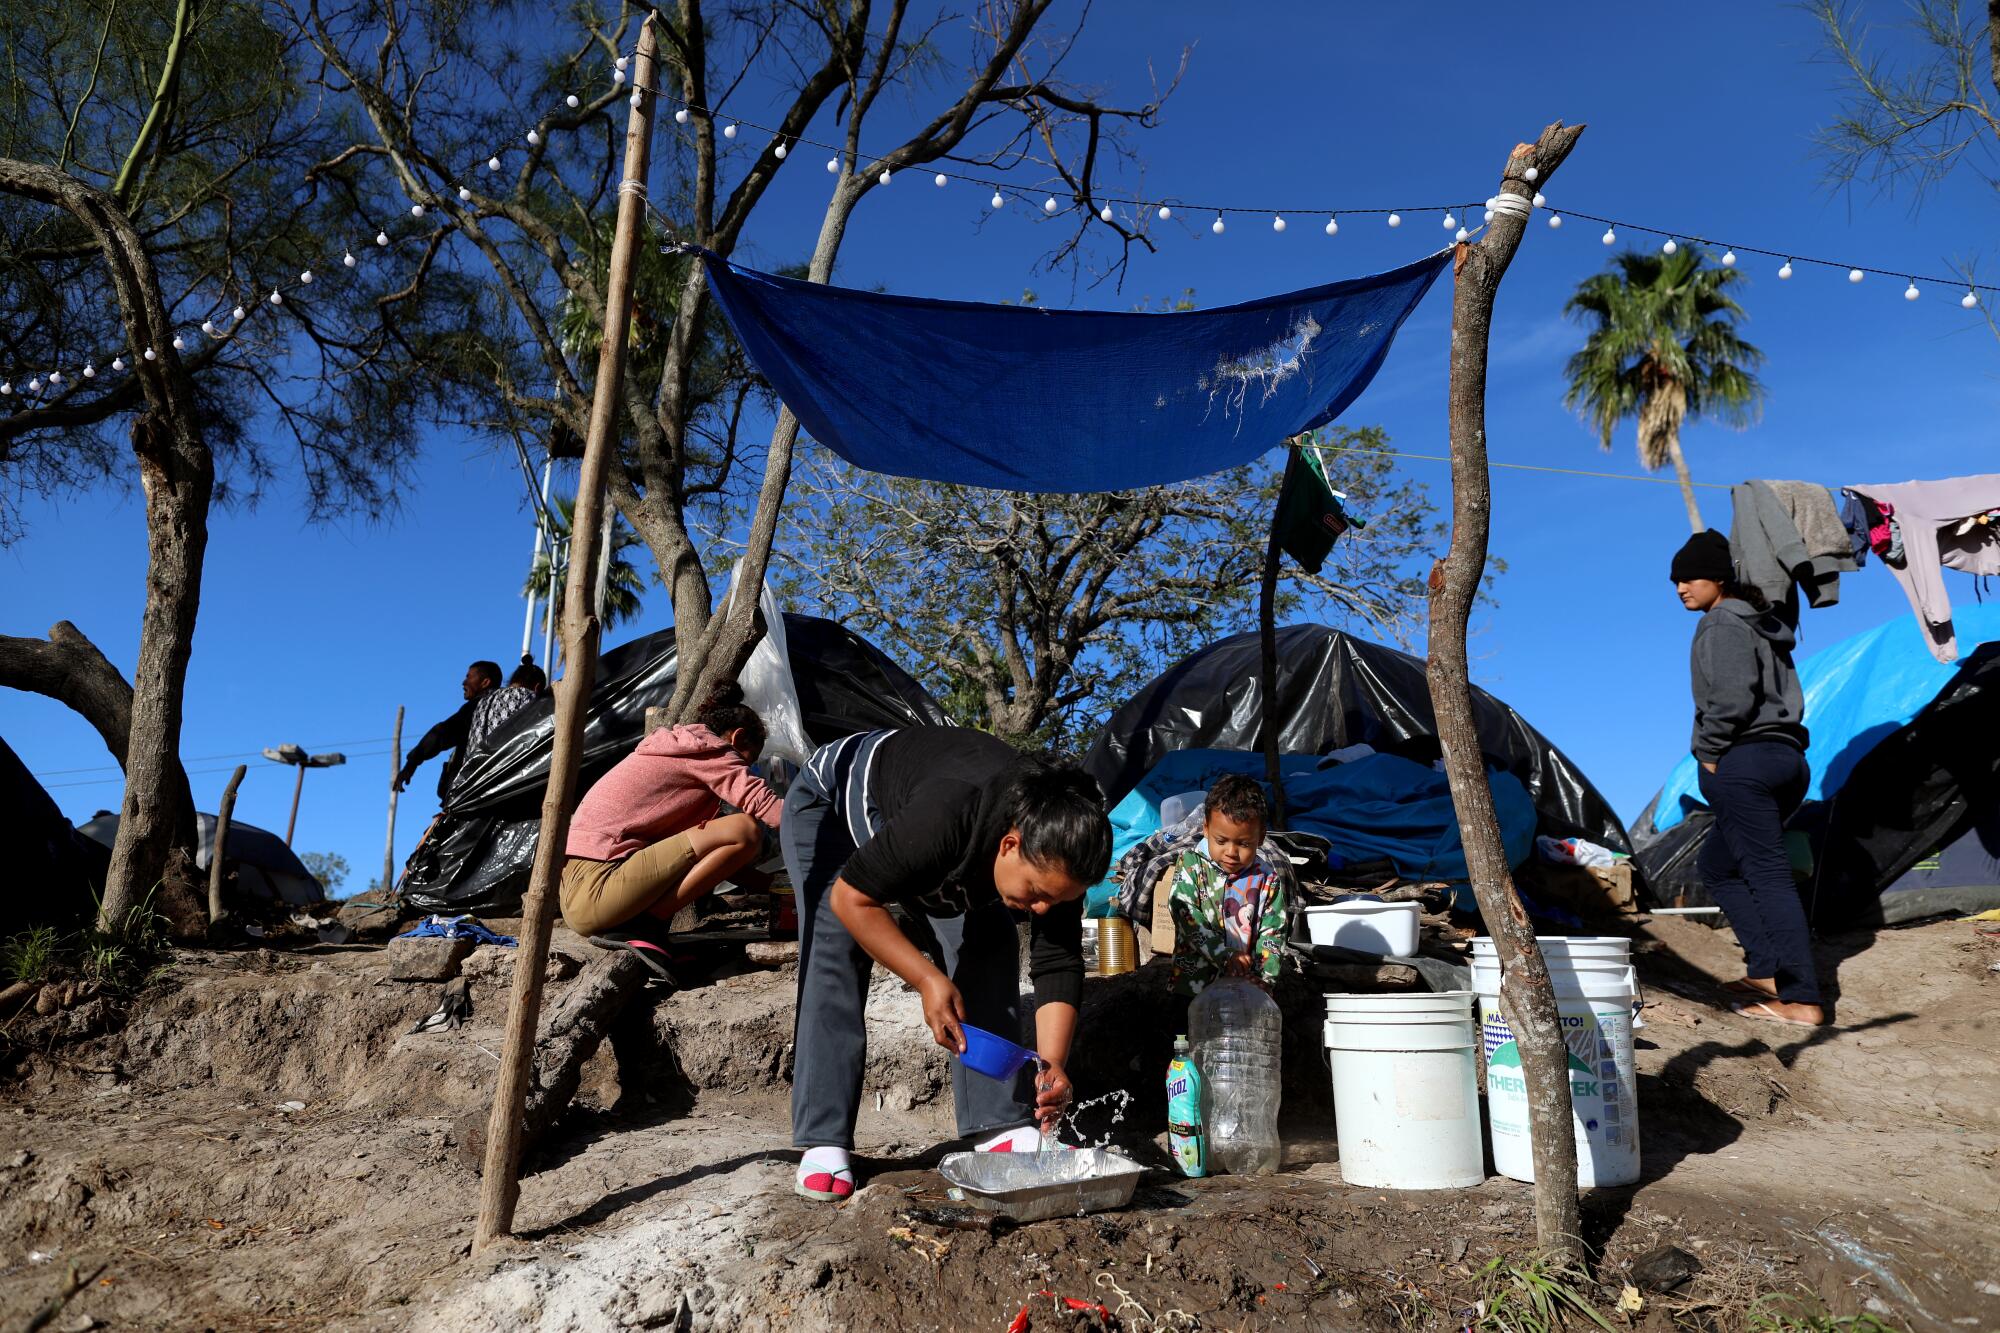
54, 873
1335, 690
1912, 831
477, 857
264, 867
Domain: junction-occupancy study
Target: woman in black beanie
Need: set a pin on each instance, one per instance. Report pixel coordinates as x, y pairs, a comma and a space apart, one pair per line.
1750, 740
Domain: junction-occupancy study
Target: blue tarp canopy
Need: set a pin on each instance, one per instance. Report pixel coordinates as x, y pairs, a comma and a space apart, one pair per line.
1380, 806
1858, 692
1026, 399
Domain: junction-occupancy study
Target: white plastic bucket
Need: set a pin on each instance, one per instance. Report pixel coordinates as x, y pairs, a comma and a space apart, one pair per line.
1405, 1090
1388, 930
1595, 988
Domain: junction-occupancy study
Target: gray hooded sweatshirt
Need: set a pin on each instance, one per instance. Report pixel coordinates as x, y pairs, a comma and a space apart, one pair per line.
1745, 688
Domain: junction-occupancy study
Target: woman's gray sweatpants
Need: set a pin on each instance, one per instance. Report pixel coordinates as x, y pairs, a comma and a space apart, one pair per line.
982, 956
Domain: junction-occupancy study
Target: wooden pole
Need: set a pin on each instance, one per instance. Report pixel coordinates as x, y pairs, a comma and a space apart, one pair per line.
1526, 995
500, 1185
1267, 631
222, 813
395, 767
297, 787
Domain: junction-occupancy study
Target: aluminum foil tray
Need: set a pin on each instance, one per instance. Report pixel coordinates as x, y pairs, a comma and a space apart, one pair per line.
1033, 1187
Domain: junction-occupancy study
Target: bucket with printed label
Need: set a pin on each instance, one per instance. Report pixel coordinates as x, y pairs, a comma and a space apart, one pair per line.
1596, 988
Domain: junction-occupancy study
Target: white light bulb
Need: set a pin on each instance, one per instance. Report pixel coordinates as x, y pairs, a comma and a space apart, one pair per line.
1541, 200
617, 76
940, 180
1786, 271
34, 386
1532, 173
729, 131
572, 101
1277, 224
1488, 216
1610, 237
277, 298
180, 343
1333, 226
621, 61
1970, 300
1910, 293
416, 210
681, 116
1217, 226
636, 100
493, 164
832, 165
208, 327
118, 363
55, 377
1049, 205
882, 179
1669, 247
1555, 219
150, 356
464, 194
1729, 259
1449, 221
1395, 219
1461, 234
1854, 275
534, 136
779, 152
996, 201
89, 371
6, 387
1165, 213
1104, 213
306, 276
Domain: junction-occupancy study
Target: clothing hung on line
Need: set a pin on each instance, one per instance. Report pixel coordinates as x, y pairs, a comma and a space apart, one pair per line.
1789, 532
1940, 528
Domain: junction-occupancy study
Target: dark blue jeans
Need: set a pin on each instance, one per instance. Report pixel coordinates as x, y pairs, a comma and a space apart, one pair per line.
1754, 790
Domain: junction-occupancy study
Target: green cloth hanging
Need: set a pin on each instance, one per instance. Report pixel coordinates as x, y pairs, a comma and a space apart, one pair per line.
1310, 516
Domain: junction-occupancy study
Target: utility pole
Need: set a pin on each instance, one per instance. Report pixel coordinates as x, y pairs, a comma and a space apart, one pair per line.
296, 756
395, 767
500, 1187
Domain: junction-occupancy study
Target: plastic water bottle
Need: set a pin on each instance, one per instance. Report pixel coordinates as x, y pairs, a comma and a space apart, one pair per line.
1184, 1136
1238, 1031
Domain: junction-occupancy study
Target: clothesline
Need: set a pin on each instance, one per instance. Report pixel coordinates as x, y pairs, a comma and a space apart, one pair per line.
1523, 467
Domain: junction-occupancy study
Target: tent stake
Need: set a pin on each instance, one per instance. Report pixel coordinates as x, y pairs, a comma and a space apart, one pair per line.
1527, 996
500, 1187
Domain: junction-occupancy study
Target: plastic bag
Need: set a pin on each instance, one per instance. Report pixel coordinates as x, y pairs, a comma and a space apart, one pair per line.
767, 682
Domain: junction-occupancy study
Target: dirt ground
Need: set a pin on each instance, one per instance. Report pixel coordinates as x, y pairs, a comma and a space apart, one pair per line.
262, 1144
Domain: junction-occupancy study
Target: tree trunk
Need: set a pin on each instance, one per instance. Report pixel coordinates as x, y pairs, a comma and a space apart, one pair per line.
501, 1190
1680, 463
1267, 634
1527, 997
177, 473
216, 910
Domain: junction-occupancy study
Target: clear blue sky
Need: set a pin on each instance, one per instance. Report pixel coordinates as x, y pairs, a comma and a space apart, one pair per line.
1700, 117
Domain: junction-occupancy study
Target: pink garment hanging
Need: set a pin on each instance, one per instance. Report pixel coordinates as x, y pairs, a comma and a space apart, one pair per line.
1930, 514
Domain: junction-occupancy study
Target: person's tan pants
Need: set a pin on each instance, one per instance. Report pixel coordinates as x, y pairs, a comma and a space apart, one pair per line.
597, 895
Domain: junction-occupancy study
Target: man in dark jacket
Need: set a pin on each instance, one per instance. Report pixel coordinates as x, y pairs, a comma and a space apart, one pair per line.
451, 734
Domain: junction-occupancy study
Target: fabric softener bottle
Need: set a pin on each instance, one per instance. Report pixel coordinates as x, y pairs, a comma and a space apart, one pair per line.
1184, 1137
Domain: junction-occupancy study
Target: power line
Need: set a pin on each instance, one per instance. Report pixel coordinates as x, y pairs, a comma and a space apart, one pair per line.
1524, 467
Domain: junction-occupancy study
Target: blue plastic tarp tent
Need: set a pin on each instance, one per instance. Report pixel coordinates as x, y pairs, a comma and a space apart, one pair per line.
1858, 692
1027, 399
1381, 806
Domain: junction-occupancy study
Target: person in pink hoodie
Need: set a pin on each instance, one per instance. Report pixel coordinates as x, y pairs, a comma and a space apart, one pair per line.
649, 837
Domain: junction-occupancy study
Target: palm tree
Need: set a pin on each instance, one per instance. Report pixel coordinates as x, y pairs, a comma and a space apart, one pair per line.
623, 580
1662, 348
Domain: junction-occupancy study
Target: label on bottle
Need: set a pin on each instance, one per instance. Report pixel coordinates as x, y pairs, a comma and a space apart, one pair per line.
1184, 1131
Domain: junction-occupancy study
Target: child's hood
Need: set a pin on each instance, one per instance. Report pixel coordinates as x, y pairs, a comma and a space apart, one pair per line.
689, 741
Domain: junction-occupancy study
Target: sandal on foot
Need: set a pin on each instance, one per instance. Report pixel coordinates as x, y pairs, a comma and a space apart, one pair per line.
1743, 986
824, 1181
649, 953
1763, 1011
